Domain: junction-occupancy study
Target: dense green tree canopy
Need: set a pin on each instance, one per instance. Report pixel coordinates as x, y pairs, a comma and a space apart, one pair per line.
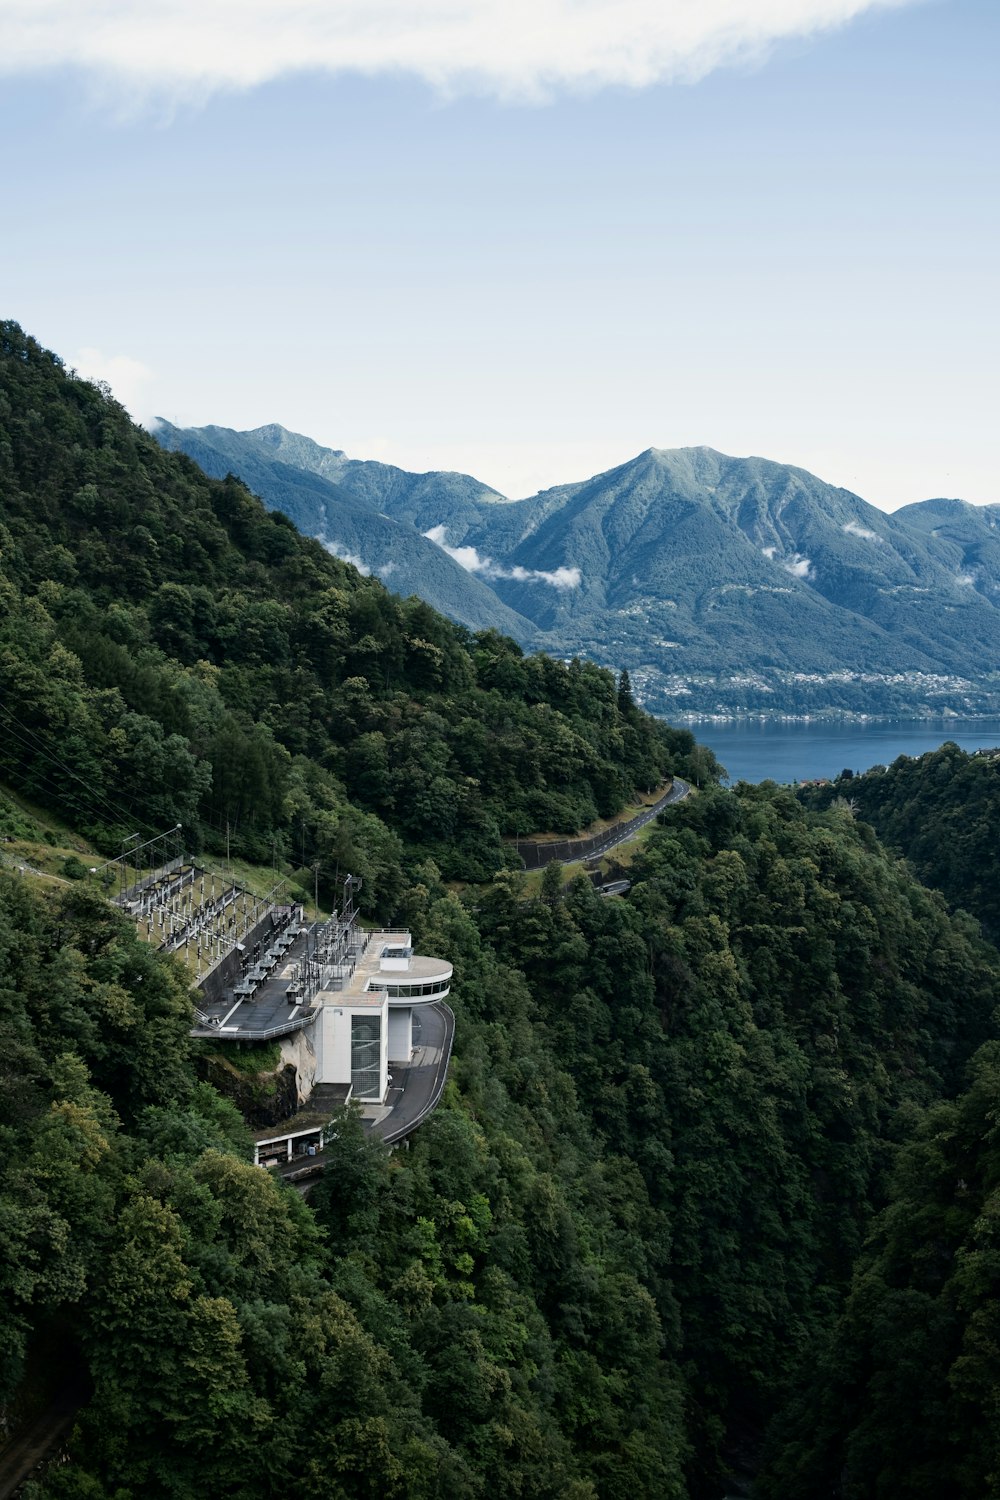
188, 656
711, 1185
605, 1266
942, 811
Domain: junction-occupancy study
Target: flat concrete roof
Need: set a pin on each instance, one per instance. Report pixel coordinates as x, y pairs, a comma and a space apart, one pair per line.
268, 1009
356, 991
421, 968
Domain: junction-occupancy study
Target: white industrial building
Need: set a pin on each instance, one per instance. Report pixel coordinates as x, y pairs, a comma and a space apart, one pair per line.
366, 1023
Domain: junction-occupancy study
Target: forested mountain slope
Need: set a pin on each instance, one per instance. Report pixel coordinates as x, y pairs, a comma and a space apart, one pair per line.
606, 1266
350, 519
902, 1399
163, 630
969, 535
942, 811
612, 1261
721, 583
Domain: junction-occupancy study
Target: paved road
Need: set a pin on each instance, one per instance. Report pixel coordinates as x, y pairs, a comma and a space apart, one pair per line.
416, 1089
421, 1084
679, 790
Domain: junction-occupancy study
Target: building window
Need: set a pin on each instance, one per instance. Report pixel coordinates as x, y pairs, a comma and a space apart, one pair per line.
366, 1056
411, 991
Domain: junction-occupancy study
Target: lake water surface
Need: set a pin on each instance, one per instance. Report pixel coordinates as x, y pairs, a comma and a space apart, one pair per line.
752, 751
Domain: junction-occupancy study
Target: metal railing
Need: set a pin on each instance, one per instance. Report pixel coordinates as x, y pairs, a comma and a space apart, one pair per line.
535, 854
267, 1034
390, 1136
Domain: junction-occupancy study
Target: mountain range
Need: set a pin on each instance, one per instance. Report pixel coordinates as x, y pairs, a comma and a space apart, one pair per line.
724, 585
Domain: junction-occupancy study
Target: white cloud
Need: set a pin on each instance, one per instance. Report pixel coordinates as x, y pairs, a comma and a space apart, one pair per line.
387, 570
853, 529
339, 550
796, 564
562, 578
965, 580
799, 566
127, 377
523, 49
470, 559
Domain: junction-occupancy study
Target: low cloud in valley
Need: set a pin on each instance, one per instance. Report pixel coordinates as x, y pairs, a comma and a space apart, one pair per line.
337, 549
469, 559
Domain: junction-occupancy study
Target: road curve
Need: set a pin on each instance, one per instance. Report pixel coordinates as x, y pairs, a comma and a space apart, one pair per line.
677, 792
420, 1090
423, 1085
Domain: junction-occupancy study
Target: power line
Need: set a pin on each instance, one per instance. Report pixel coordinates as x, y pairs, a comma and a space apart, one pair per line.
98, 801
43, 781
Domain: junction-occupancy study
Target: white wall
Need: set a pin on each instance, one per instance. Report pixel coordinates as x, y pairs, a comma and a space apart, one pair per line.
400, 1034
334, 1050
384, 1071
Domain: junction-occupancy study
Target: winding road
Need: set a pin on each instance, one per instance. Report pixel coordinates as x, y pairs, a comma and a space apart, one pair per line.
679, 789
420, 1083
416, 1089
36, 1442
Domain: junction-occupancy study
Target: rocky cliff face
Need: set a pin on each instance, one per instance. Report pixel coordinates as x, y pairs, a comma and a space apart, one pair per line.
297, 1052
268, 1097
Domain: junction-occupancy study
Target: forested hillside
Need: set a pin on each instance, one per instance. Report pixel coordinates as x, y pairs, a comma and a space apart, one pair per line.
942, 812
352, 522
902, 1400
605, 1265
671, 1218
172, 652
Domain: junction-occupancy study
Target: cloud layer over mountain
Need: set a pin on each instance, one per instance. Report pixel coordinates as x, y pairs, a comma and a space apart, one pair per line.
470, 559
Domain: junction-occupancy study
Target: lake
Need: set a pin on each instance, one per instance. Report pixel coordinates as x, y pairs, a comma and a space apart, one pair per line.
751, 751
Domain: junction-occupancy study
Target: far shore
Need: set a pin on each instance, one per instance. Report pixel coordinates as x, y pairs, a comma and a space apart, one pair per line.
690, 720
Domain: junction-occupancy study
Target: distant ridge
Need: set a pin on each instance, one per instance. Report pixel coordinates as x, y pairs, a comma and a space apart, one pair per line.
348, 518
725, 585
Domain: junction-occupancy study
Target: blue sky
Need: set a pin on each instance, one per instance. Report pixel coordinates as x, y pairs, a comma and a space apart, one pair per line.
450, 262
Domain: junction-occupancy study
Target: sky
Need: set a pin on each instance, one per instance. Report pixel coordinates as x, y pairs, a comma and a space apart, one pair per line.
523, 240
